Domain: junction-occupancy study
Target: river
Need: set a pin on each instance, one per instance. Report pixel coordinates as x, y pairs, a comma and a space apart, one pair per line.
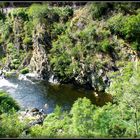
43, 95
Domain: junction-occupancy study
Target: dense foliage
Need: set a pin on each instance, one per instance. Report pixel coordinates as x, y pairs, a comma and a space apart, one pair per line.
118, 119
86, 46
79, 43
10, 126
7, 103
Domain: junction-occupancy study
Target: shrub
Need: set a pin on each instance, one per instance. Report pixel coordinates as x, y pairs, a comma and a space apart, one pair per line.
126, 7
98, 9
116, 23
10, 126
126, 26
6, 29
109, 122
55, 125
20, 12
131, 27
28, 28
82, 118
10, 48
38, 13
38, 10
125, 89
60, 59
24, 71
27, 40
7, 103
135, 46
66, 13
2, 16
16, 61
57, 30
105, 45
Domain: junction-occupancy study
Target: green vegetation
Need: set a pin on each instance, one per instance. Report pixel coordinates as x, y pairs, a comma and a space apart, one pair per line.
98, 29
72, 39
10, 126
7, 103
119, 119
95, 46
24, 71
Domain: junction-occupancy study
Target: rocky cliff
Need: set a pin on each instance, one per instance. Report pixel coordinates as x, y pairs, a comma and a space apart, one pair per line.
39, 61
79, 46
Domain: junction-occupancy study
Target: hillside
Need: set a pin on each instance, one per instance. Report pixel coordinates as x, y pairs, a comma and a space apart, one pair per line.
95, 46
76, 46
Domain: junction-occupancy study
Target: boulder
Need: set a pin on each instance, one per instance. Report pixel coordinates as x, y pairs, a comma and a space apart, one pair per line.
35, 110
1, 72
35, 116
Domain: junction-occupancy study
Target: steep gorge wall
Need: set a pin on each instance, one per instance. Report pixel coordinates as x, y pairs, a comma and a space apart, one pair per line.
39, 61
80, 47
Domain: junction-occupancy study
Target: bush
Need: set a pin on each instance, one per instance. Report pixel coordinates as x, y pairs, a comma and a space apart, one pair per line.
28, 28
82, 118
7, 103
38, 10
38, 13
14, 65
98, 9
66, 13
10, 48
126, 7
105, 45
56, 125
24, 71
10, 126
20, 12
2, 16
126, 26
16, 61
125, 89
131, 27
116, 23
6, 30
27, 40
60, 59
135, 46
57, 30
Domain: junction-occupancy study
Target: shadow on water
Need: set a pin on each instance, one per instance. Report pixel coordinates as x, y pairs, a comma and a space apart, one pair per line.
66, 95
46, 96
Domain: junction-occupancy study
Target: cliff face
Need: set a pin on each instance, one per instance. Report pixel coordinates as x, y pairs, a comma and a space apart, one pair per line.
91, 48
39, 61
76, 46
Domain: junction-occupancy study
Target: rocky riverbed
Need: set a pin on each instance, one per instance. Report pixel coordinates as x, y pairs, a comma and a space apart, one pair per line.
34, 116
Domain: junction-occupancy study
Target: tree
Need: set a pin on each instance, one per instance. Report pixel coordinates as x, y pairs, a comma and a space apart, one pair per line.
82, 118
126, 88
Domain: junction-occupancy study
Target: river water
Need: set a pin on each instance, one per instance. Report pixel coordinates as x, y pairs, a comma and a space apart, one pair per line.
43, 95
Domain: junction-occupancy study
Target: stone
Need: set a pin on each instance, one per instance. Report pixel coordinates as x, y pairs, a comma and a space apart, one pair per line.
34, 113
39, 61
35, 110
60, 130
35, 116
106, 80
114, 68
100, 72
1, 72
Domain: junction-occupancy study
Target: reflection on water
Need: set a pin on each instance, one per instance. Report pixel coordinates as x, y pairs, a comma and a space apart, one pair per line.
46, 96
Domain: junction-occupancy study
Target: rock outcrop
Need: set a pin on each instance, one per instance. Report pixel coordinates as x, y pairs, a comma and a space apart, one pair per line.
34, 116
39, 61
